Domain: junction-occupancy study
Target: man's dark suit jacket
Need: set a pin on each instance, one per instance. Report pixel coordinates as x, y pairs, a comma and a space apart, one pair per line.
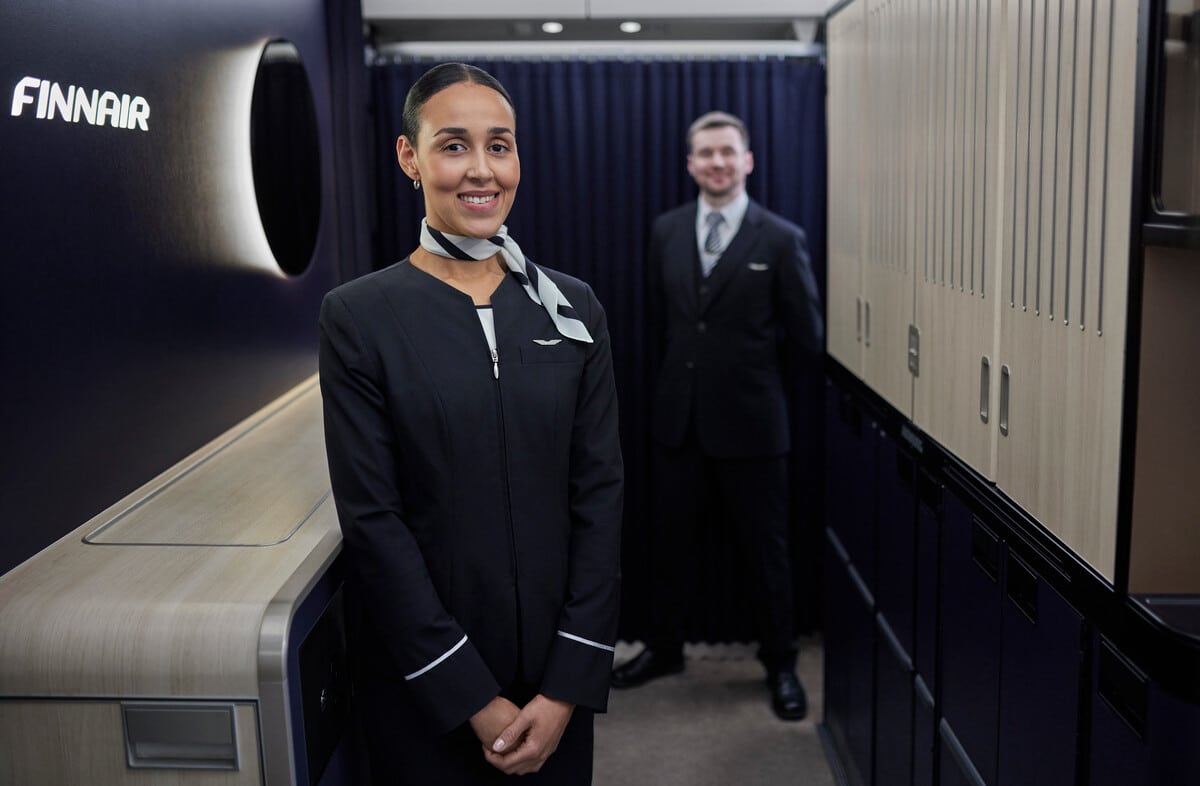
725, 335
481, 512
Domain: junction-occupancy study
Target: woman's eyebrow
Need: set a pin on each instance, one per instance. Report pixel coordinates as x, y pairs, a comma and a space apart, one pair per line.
455, 131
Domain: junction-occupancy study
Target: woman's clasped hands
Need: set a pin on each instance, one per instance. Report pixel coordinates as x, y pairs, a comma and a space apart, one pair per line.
518, 741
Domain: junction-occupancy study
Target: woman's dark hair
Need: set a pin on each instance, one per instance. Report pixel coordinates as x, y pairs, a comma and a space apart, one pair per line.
438, 79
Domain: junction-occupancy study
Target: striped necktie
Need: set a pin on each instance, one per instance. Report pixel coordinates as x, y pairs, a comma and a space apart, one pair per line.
712, 241
538, 286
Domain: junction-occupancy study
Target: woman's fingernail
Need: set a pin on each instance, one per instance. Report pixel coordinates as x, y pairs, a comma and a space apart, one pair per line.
498, 745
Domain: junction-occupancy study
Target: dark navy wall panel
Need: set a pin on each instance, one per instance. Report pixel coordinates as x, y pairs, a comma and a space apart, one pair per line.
141, 310
924, 734
955, 767
1140, 735
1027, 668
925, 623
896, 538
837, 638
852, 440
1118, 756
893, 709
849, 664
861, 725
972, 558
1176, 730
838, 446
1040, 668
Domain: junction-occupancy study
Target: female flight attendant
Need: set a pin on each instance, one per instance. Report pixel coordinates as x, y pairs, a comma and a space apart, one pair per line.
471, 429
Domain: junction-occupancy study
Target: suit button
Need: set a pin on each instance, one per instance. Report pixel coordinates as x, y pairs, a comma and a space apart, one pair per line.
701, 327
703, 289
689, 365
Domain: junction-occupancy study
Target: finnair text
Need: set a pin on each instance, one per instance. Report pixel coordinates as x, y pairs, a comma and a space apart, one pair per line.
75, 103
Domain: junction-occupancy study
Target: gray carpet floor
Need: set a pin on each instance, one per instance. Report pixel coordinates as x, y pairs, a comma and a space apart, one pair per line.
712, 725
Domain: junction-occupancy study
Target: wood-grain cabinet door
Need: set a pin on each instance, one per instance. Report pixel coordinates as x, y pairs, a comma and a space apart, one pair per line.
958, 187
1064, 266
846, 103
888, 259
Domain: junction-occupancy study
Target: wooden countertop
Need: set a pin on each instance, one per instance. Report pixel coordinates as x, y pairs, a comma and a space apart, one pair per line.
163, 594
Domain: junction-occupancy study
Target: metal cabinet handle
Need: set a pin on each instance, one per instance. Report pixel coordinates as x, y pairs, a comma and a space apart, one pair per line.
867, 323
914, 350
985, 387
858, 318
1004, 400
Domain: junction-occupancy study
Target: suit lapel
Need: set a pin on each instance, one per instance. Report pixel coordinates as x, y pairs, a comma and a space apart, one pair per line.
735, 255
683, 262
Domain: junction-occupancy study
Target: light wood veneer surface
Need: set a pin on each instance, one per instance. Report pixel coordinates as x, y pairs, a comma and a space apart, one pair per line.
100, 617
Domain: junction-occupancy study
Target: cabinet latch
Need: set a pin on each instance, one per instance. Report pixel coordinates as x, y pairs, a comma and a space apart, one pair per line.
914, 350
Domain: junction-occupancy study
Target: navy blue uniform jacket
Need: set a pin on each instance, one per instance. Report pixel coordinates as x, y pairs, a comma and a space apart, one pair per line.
725, 336
481, 515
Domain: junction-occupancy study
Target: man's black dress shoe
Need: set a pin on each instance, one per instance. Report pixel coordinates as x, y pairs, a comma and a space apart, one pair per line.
645, 667
787, 696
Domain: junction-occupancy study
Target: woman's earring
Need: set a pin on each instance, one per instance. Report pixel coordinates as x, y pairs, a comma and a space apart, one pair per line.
416, 185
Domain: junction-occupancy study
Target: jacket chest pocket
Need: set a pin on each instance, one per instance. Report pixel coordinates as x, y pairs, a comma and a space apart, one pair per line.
547, 386
755, 285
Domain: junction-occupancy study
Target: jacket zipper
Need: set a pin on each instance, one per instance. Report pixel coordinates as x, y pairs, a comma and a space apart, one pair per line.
512, 533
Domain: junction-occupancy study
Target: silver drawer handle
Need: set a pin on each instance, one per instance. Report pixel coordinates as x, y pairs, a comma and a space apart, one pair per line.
1004, 400
985, 387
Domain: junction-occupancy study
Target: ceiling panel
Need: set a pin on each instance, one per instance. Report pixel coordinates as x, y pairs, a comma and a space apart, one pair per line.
745, 9
474, 9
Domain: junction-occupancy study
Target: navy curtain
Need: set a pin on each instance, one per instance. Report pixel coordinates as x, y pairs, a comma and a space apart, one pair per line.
602, 153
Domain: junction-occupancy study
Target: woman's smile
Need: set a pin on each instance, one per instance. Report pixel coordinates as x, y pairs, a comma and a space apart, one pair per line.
478, 201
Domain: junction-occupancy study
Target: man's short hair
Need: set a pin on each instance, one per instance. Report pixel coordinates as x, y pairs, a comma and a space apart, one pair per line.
717, 120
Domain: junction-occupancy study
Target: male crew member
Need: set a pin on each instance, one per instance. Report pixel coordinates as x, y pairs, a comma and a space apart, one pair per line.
731, 290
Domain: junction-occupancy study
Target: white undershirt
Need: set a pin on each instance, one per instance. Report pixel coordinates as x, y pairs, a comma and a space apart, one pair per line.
488, 321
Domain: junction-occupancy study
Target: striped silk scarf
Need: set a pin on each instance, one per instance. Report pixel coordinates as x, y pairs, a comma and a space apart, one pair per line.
539, 287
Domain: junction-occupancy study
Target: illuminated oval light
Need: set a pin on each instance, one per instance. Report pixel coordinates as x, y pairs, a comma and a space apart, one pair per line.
631, 27
286, 156
553, 28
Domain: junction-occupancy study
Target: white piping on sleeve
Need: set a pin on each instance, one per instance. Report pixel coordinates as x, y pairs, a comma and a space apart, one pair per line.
445, 655
588, 642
